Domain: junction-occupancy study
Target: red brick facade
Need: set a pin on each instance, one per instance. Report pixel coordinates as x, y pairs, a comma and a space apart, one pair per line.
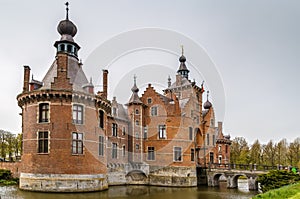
68, 130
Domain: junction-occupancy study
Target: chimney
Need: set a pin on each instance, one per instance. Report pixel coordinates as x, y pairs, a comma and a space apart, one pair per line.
220, 128
26, 78
105, 73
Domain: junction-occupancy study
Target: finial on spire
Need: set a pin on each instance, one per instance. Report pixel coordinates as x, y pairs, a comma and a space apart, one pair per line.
134, 79
207, 95
182, 50
67, 9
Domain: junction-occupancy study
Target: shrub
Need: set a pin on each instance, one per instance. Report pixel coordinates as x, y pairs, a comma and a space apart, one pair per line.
276, 179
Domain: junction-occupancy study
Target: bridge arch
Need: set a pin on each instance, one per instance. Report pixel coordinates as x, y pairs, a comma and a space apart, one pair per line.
216, 178
136, 177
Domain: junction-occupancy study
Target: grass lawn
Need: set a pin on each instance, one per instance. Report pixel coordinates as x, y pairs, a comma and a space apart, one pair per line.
290, 192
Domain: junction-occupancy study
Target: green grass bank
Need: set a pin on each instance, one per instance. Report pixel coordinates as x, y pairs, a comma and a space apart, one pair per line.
290, 192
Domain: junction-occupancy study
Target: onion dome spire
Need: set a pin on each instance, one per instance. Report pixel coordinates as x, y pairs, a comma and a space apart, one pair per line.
207, 104
134, 89
67, 30
135, 99
183, 71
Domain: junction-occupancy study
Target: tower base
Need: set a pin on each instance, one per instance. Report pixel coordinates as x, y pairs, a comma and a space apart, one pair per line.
63, 182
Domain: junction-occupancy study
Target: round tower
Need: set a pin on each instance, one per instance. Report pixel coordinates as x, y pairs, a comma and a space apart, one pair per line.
64, 125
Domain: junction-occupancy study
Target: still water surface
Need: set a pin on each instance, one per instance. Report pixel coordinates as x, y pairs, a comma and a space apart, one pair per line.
142, 192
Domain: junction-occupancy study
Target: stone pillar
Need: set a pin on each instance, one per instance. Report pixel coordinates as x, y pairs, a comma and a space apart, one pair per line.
252, 183
232, 182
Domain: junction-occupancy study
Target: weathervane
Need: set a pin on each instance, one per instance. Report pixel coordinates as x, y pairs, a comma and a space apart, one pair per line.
67, 9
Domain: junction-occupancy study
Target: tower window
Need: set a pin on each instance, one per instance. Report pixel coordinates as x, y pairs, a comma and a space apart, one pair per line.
101, 145
69, 48
101, 119
77, 143
137, 122
43, 142
190, 133
114, 129
137, 146
154, 111
192, 155
114, 154
207, 139
145, 132
77, 114
62, 47
151, 154
43, 112
136, 111
177, 154
162, 132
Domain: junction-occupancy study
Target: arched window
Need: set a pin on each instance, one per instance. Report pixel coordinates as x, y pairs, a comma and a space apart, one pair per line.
62, 47
69, 48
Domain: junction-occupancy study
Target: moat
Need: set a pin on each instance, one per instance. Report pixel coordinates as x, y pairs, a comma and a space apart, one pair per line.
143, 192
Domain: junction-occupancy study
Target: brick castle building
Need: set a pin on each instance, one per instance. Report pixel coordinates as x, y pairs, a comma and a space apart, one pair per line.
75, 140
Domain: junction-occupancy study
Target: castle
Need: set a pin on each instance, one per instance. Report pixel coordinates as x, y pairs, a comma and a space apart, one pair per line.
76, 141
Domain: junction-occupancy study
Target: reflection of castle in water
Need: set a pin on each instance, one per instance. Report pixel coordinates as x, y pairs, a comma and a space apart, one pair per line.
75, 140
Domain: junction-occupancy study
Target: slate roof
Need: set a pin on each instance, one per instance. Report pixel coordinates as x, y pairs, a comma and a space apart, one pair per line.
75, 74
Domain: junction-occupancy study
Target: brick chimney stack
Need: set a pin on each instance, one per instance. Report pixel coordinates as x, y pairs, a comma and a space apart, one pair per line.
105, 73
220, 128
26, 78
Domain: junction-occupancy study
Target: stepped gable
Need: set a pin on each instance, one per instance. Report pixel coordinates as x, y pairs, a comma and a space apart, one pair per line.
75, 75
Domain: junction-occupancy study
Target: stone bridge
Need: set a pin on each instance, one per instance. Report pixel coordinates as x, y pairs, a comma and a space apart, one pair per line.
213, 177
231, 172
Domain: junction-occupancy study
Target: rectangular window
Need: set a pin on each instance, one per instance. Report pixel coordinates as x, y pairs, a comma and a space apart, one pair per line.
177, 154
192, 155
226, 148
123, 150
77, 143
43, 112
220, 148
211, 157
101, 145
137, 122
114, 110
214, 140
190, 133
151, 154
123, 130
43, 142
77, 114
101, 119
162, 132
114, 129
137, 147
145, 132
114, 150
207, 139
154, 111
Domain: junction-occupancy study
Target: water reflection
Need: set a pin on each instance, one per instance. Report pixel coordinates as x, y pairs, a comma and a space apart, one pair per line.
143, 192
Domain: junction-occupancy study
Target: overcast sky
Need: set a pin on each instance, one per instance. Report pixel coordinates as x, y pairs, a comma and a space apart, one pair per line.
255, 46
